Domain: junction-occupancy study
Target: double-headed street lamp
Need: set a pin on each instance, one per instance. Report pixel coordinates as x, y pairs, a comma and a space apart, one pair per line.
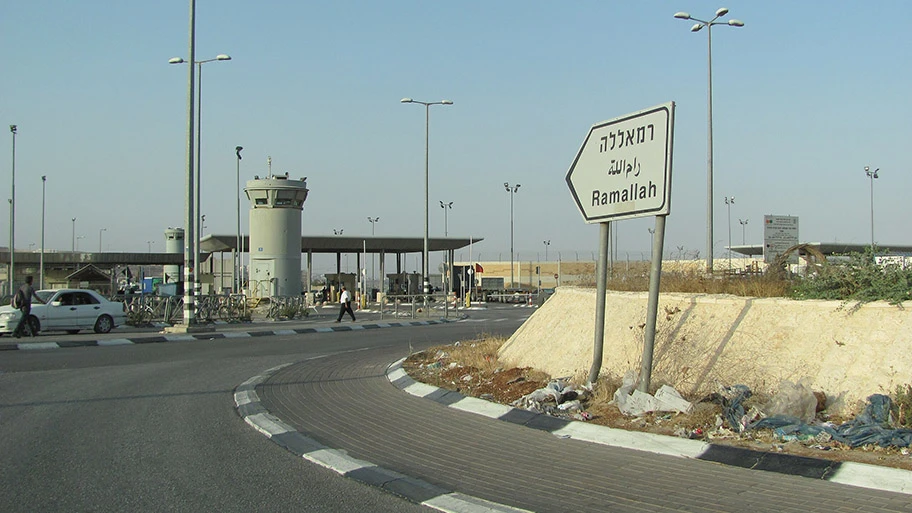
12, 246
43, 194
709, 135
729, 201
99, 238
512, 190
237, 255
546, 243
73, 241
872, 175
199, 121
427, 124
373, 221
743, 227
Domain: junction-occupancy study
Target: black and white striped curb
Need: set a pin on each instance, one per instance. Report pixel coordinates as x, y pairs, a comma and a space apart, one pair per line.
153, 339
251, 410
849, 473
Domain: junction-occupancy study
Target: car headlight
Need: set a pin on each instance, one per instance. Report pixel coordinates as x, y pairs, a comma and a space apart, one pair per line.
8, 316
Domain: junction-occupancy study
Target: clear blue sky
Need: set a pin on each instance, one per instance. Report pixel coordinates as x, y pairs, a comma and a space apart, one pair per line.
805, 95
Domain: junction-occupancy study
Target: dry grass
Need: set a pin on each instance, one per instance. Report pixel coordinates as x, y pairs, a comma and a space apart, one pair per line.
635, 278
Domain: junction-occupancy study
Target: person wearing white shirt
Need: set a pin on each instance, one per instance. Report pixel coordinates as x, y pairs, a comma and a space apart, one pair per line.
345, 302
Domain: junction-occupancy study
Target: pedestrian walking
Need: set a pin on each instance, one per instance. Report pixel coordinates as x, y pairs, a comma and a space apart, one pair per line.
23, 301
345, 302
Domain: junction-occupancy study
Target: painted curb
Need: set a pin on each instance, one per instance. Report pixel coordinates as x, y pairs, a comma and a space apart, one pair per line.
247, 403
849, 473
155, 339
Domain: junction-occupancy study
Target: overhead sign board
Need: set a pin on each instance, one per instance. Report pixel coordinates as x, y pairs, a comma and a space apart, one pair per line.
779, 234
623, 168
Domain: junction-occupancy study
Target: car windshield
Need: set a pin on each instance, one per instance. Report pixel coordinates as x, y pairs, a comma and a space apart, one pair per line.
45, 294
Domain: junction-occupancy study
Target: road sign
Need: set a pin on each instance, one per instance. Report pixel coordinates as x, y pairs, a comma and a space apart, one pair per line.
623, 168
779, 234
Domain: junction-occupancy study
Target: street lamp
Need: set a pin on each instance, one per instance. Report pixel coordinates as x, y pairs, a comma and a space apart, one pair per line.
709, 135
651, 242
197, 232
12, 245
872, 175
427, 124
41, 265
546, 243
78, 239
743, 226
99, 238
728, 203
337, 232
73, 242
512, 190
237, 256
373, 222
150, 242
445, 206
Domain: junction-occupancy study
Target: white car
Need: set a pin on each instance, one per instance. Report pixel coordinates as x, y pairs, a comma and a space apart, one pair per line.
69, 310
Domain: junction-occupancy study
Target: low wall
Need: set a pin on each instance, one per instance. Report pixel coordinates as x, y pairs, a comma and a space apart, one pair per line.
704, 341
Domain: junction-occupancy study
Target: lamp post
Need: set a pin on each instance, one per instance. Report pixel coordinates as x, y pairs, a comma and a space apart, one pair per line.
237, 251
337, 232
512, 190
709, 135
651, 242
546, 243
99, 238
12, 245
373, 222
743, 226
427, 125
73, 242
729, 201
41, 264
149, 243
80, 237
197, 232
446, 272
872, 175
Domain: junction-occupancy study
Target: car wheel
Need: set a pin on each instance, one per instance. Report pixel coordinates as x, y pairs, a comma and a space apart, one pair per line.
34, 324
104, 324
72, 332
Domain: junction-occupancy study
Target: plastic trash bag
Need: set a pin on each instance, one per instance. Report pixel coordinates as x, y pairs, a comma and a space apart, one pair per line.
793, 400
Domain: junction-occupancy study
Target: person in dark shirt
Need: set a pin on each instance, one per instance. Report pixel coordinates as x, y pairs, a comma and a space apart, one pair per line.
24, 299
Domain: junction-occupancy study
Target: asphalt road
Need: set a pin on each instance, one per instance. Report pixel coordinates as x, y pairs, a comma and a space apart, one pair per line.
153, 427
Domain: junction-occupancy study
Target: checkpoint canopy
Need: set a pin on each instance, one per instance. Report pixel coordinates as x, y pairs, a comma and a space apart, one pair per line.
623, 168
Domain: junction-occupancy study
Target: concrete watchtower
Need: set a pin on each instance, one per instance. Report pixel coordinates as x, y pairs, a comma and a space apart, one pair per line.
174, 243
275, 235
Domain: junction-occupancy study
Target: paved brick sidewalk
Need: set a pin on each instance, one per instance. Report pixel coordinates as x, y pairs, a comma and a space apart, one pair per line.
346, 403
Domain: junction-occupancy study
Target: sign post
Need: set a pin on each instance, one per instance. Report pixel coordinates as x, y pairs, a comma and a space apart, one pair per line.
623, 171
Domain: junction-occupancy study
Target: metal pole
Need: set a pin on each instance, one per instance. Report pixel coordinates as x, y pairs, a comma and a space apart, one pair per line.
652, 308
237, 255
41, 265
424, 263
12, 267
601, 289
709, 157
99, 238
199, 133
73, 243
872, 209
189, 205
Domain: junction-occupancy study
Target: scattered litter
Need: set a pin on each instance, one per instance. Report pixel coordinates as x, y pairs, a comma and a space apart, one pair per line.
873, 426
793, 400
635, 402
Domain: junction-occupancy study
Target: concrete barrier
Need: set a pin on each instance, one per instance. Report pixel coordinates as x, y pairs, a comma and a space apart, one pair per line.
704, 341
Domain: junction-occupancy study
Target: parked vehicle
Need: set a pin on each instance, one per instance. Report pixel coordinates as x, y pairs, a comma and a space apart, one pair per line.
69, 310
